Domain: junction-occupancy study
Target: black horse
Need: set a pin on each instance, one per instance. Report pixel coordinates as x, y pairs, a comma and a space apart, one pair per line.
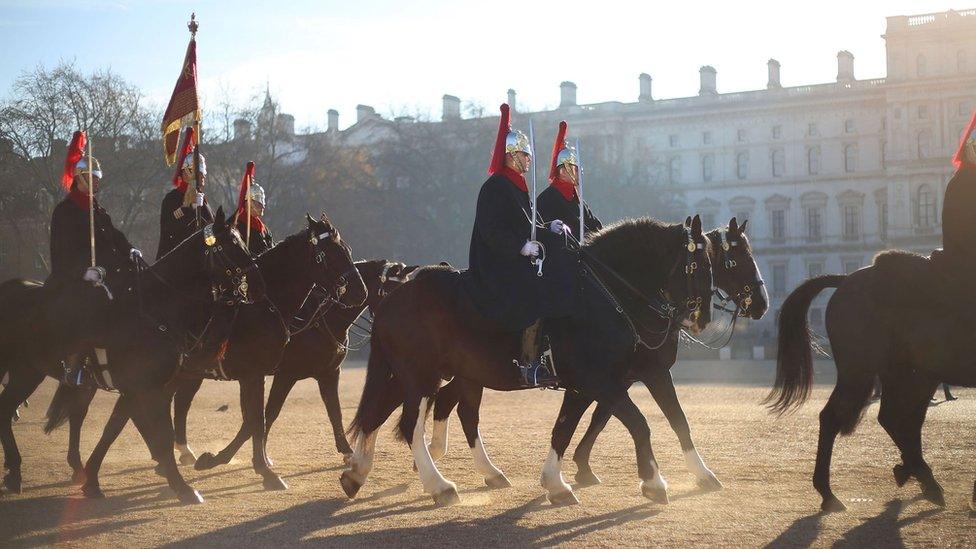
317, 352
735, 273
636, 273
158, 316
896, 320
259, 334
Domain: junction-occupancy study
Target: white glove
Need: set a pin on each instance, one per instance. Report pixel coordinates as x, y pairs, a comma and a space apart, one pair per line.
531, 249
198, 203
135, 254
559, 227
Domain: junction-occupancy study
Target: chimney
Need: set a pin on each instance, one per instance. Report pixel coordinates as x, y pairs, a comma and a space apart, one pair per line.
645, 88
242, 129
364, 113
567, 94
707, 77
511, 99
772, 67
451, 109
333, 121
285, 124
845, 67
404, 120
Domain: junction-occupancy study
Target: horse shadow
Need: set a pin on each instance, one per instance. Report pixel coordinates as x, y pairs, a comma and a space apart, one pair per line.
883, 530
305, 523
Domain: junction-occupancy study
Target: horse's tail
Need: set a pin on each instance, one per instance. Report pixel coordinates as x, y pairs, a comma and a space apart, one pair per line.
66, 399
378, 377
794, 360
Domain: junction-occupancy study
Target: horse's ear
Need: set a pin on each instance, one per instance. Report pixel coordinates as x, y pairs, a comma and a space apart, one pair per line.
733, 225
742, 228
219, 218
309, 219
688, 221
696, 227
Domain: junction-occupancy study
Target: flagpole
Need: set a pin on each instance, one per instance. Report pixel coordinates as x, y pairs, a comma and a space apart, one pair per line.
247, 201
91, 203
193, 26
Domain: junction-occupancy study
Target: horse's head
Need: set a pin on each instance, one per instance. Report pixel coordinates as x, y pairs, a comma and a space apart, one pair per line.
381, 277
689, 284
334, 268
234, 275
736, 272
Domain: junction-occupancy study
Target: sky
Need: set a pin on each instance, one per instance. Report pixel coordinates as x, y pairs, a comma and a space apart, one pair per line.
401, 57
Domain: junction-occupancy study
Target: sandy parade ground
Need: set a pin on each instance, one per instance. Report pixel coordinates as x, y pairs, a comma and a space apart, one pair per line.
765, 464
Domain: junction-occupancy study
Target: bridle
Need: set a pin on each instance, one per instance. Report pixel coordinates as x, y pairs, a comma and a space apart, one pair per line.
217, 260
742, 298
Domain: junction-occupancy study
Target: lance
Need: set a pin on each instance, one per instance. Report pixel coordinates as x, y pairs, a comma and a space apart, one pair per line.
579, 191
535, 203
247, 202
91, 203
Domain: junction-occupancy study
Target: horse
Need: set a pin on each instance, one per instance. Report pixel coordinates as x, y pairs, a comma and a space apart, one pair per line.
317, 352
145, 329
897, 319
735, 273
259, 334
427, 331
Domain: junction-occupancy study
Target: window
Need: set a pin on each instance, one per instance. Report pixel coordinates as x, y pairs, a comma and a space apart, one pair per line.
812, 130
777, 132
923, 112
961, 65
740, 135
884, 154
814, 224
964, 108
779, 162
897, 113
706, 138
851, 265
742, 165
674, 169
921, 66
924, 207
673, 140
814, 269
922, 144
777, 224
779, 280
852, 222
816, 317
708, 165
813, 160
849, 125
850, 158
883, 220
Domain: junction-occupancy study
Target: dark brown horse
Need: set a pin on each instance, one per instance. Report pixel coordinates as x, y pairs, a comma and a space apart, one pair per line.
155, 318
735, 273
638, 273
259, 333
899, 320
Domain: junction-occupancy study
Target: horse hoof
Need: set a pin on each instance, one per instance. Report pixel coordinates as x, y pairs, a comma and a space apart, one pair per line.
78, 477
564, 498
935, 496
205, 461
710, 483
501, 481
585, 477
447, 497
158, 469
350, 485
832, 505
972, 505
274, 482
191, 497
901, 474
347, 458
187, 459
656, 494
92, 491
12, 482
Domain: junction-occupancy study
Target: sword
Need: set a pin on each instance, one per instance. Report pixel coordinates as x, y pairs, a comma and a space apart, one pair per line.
579, 192
535, 203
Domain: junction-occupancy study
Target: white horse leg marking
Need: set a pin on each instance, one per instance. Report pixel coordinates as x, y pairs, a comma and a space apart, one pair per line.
361, 462
438, 439
552, 476
185, 451
482, 463
434, 483
697, 466
657, 482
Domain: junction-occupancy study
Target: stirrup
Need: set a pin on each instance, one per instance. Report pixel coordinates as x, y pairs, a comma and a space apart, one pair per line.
538, 373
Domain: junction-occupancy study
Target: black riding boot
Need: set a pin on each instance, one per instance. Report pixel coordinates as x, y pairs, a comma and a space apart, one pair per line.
536, 365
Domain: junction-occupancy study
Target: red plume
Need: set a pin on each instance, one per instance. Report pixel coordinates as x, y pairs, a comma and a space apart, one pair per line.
75, 151
498, 153
189, 140
957, 159
559, 145
245, 187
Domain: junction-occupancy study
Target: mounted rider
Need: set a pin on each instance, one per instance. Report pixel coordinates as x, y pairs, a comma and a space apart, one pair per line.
71, 253
178, 213
250, 204
561, 198
501, 279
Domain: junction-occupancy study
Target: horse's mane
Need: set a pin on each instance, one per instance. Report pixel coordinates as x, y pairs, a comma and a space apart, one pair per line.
431, 269
890, 259
638, 246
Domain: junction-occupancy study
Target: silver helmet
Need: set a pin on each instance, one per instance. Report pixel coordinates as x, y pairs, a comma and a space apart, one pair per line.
188, 163
516, 141
81, 167
256, 193
567, 157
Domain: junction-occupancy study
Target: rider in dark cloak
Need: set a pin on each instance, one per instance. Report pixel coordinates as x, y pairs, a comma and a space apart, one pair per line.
178, 213
257, 235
